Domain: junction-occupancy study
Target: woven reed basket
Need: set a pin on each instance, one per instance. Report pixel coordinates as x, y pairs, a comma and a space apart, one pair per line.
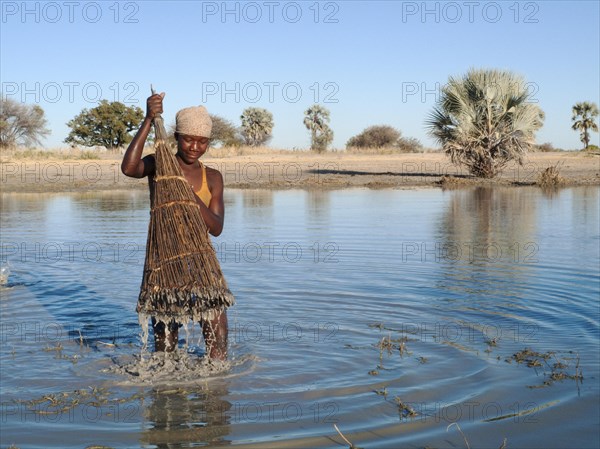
182, 277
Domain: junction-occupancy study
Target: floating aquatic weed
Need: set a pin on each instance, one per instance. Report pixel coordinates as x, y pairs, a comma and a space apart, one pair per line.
58, 347
382, 392
530, 357
562, 375
492, 342
402, 346
61, 402
405, 410
534, 359
388, 344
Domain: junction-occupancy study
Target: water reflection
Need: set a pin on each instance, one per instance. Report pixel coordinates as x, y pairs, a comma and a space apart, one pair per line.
102, 201
486, 236
586, 205
112, 201
550, 192
318, 207
257, 204
198, 415
490, 215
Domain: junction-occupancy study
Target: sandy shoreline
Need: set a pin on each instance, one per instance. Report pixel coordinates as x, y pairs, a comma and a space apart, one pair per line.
300, 170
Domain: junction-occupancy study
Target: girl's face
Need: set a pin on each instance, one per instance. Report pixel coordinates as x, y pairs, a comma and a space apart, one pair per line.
190, 148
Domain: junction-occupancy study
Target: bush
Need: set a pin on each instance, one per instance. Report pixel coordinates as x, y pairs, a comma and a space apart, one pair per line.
385, 138
375, 137
224, 133
410, 145
88, 155
550, 177
544, 147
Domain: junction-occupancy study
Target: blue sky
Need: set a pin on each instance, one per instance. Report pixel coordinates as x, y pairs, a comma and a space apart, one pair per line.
368, 62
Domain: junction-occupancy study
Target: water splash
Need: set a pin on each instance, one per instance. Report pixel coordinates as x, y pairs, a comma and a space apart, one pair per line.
4, 274
186, 364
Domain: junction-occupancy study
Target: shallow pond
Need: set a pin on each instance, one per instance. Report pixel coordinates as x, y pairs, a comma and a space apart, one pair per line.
389, 313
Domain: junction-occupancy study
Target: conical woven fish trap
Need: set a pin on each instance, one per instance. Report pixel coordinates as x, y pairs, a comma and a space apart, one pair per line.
182, 277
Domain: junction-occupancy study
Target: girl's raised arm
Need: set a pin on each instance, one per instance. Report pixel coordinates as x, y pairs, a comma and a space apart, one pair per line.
133, 165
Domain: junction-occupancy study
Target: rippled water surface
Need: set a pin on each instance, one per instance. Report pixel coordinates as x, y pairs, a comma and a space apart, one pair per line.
390, 313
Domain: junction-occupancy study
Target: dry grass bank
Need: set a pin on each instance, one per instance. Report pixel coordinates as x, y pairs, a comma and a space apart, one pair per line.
74, 170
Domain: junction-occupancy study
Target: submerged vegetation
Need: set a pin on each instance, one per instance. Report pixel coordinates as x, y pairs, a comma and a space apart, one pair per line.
556, 366
534, 359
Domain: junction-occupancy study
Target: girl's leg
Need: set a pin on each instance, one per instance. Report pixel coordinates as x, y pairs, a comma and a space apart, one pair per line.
162, 343
215, 336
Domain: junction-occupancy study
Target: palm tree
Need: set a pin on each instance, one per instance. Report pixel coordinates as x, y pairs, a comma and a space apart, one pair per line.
257, 126
484, 120
316, 119
584, 116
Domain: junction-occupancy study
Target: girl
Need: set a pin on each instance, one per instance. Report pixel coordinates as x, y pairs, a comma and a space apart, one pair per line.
192, 132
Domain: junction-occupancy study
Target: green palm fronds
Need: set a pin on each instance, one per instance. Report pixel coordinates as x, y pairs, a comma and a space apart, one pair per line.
584, 118
484, 120
316, 120
257, 126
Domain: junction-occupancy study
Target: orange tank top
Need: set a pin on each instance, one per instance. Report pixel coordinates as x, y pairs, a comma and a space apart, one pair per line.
204, 193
